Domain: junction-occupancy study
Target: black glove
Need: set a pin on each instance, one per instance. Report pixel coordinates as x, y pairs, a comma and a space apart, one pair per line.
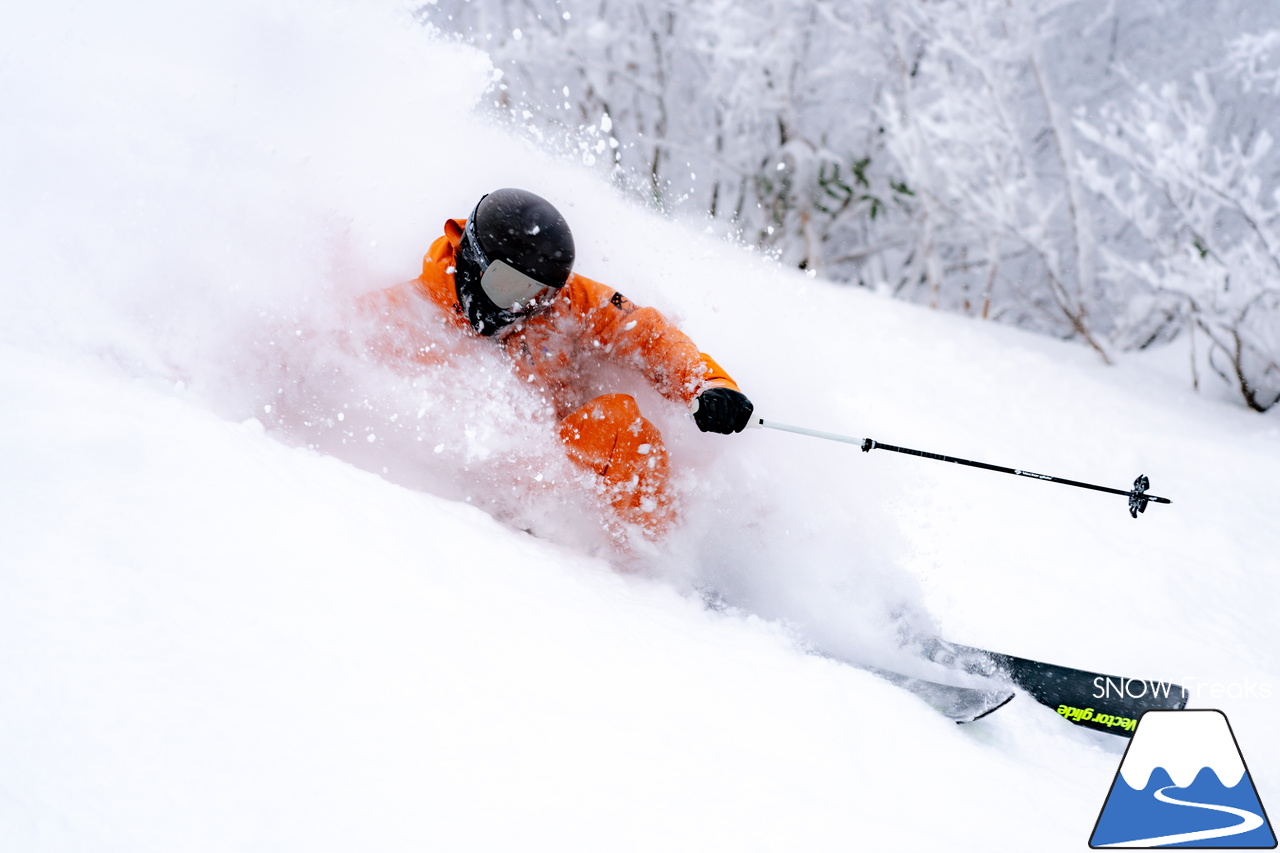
722, 410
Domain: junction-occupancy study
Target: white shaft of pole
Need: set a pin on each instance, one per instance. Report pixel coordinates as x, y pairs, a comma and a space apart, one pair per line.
758, 423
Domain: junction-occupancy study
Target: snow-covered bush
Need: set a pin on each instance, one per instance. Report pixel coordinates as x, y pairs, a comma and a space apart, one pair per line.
1199, 201
1000, 225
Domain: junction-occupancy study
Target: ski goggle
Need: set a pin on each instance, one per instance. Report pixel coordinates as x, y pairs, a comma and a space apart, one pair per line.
510, 289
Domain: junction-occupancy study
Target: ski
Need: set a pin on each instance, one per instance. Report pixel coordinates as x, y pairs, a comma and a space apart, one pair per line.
1106, 703
1093, 700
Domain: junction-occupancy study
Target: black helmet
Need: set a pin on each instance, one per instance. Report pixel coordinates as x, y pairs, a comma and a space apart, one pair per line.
515, 252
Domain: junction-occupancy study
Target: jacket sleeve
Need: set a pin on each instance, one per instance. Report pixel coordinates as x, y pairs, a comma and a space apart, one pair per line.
400, 322
643, 339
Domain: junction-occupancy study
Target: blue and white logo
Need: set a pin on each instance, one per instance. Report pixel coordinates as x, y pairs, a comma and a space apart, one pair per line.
1183, 783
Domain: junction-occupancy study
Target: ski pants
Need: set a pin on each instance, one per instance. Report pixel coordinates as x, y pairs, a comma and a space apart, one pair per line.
609, 437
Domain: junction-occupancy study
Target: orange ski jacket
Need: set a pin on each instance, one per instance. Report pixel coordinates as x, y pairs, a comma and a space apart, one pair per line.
587, 323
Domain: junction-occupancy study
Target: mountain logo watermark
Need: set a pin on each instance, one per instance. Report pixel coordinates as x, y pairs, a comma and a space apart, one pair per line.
1183, 782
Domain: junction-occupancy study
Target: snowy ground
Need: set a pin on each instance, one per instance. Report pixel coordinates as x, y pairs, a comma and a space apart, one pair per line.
224, 626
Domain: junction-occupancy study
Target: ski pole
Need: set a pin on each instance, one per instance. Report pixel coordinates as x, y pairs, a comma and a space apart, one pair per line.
1138, 497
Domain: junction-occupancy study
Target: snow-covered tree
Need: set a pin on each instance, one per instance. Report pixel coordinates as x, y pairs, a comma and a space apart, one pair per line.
1203, 205
1001, 221
757, 115
1015, 160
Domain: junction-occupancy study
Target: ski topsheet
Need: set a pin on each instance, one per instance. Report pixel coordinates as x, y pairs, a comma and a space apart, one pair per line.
1106, 703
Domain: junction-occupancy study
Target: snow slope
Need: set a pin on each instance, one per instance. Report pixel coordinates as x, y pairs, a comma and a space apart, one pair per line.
231, 619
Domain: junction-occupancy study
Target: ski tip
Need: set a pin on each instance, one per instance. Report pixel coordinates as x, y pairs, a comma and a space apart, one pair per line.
1000, 700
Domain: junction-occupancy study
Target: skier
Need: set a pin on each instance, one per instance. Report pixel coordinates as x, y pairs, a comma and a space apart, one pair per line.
506, 273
